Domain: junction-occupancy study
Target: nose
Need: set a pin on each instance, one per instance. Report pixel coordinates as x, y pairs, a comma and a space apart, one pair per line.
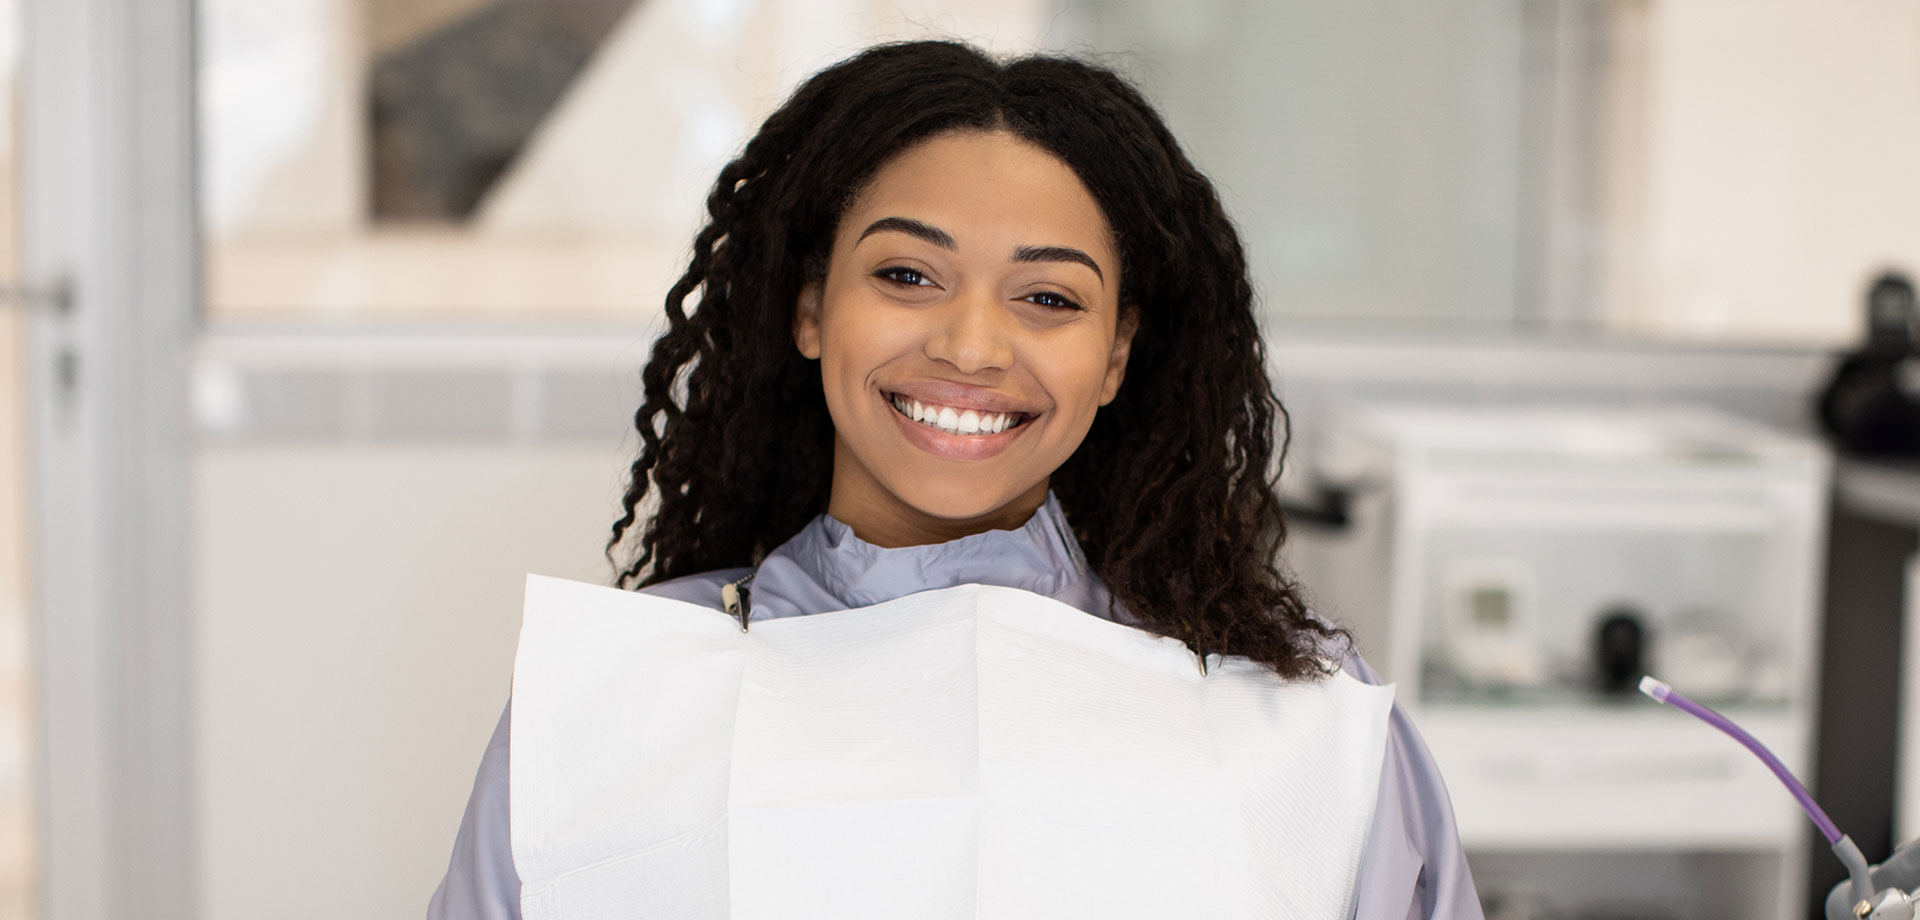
973, 333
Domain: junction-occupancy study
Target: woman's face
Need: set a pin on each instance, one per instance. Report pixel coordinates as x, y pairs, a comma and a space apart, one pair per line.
968, 329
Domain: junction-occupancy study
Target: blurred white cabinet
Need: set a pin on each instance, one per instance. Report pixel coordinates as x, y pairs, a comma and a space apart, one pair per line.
1505, 537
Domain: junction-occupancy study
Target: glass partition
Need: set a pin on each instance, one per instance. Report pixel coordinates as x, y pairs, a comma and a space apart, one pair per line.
1655, 169
1644, 168
490, 158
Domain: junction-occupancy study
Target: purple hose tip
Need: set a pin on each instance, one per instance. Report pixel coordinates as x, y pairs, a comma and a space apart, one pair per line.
1656, 689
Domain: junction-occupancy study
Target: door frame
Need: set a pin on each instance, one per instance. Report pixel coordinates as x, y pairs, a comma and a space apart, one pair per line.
108, 203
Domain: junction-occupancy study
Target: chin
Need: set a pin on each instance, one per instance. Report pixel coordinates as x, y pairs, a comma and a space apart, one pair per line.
957, 500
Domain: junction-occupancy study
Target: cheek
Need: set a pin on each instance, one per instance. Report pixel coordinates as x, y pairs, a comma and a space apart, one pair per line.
1075, 372
857, 337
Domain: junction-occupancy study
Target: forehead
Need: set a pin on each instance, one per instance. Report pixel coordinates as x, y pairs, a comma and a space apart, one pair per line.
986, 188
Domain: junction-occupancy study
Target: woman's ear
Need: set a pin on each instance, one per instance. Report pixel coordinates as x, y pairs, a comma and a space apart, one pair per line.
1128, 324
806, 320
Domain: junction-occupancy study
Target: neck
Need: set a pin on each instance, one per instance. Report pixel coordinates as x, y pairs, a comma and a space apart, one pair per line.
881, 518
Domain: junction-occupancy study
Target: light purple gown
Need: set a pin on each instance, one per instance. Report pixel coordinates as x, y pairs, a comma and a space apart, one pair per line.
1412, 867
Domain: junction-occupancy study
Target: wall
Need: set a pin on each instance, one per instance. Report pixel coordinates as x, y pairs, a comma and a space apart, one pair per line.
359, 607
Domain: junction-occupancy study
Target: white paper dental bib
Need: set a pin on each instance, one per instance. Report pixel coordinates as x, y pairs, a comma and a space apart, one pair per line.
975, 752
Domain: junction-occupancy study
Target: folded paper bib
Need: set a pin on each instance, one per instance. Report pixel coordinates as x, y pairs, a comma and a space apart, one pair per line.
969, 752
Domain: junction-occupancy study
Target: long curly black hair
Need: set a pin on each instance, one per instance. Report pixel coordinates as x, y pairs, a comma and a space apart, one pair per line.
1171, 494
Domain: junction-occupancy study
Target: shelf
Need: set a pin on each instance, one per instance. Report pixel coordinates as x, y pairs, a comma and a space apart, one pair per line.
1567, 777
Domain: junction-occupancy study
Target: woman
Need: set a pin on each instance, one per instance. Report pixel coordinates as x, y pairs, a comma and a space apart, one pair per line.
962, 322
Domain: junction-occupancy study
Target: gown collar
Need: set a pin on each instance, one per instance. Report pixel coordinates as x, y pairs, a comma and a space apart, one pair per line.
1041, 556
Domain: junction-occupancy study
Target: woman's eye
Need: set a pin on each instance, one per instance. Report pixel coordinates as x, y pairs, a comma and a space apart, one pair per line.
1051, 299
900, 274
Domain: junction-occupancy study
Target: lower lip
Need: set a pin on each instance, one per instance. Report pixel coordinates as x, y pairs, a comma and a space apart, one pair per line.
954, 446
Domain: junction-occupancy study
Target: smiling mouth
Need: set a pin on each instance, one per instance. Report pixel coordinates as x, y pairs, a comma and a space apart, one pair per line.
950, 420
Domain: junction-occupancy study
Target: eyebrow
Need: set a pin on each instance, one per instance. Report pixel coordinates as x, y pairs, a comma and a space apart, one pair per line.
911, 227
1058, 254
944, 240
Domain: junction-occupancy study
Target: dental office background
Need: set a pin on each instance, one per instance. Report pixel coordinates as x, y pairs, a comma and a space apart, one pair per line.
322, 320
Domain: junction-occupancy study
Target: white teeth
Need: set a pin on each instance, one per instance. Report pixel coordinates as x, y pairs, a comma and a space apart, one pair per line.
954, 421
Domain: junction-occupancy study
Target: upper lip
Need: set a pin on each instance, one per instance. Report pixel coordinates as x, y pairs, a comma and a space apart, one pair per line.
961, 396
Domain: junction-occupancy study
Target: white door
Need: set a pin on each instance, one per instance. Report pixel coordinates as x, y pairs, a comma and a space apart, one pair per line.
104, 183
15, 702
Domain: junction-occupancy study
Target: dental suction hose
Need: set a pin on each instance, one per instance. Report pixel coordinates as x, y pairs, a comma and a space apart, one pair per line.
1843, 846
